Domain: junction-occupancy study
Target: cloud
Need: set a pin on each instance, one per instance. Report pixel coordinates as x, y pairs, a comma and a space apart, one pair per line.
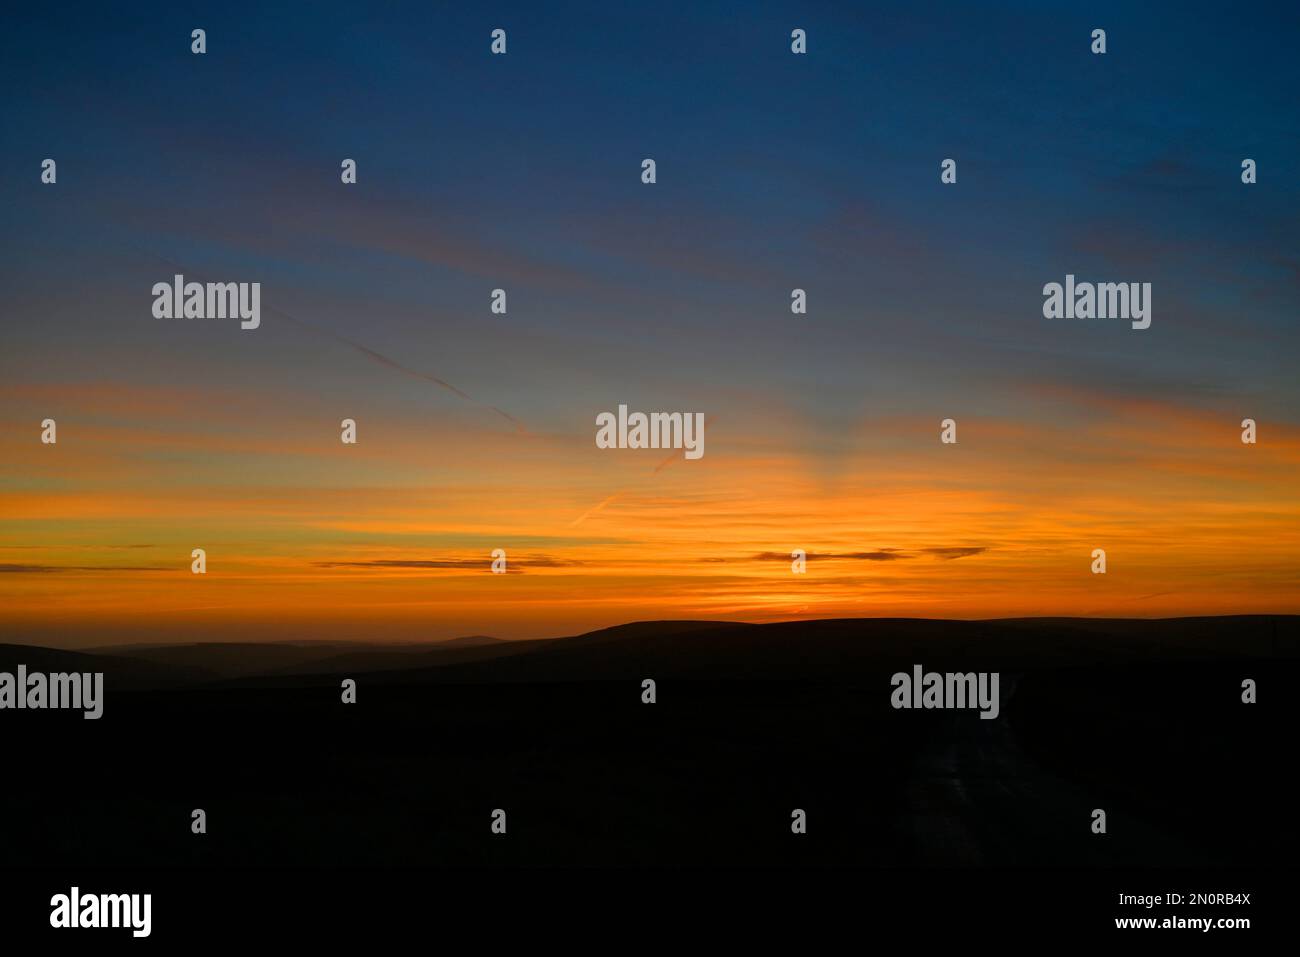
952, 552
536, 561
21, 569
880, 555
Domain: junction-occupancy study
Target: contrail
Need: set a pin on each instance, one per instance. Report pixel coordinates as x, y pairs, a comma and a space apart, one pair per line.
391, 363
593, 510
367, 352
657, 469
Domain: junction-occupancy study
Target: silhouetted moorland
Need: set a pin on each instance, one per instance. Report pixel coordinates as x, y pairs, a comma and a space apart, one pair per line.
1141, 718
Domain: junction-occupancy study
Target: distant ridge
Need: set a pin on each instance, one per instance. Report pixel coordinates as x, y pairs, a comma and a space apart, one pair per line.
469, 641
821, 649
122, 670
637, 629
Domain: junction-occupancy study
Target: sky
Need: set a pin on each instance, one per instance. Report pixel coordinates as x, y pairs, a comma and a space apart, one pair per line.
775, 171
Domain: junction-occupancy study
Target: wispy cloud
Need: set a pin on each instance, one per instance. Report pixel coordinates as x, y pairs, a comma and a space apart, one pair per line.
955, 552
10, 568
879, 555
534, 561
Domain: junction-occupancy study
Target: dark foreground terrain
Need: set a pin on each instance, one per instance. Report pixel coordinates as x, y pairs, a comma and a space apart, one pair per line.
1141, 718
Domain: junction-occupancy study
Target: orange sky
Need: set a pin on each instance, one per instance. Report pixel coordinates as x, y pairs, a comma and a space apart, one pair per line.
391, 539
775, 174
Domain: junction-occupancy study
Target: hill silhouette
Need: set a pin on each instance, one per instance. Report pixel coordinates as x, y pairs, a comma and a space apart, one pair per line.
1141, 717
713, 649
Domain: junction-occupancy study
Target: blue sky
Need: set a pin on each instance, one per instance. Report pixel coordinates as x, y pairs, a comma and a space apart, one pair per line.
775, 171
